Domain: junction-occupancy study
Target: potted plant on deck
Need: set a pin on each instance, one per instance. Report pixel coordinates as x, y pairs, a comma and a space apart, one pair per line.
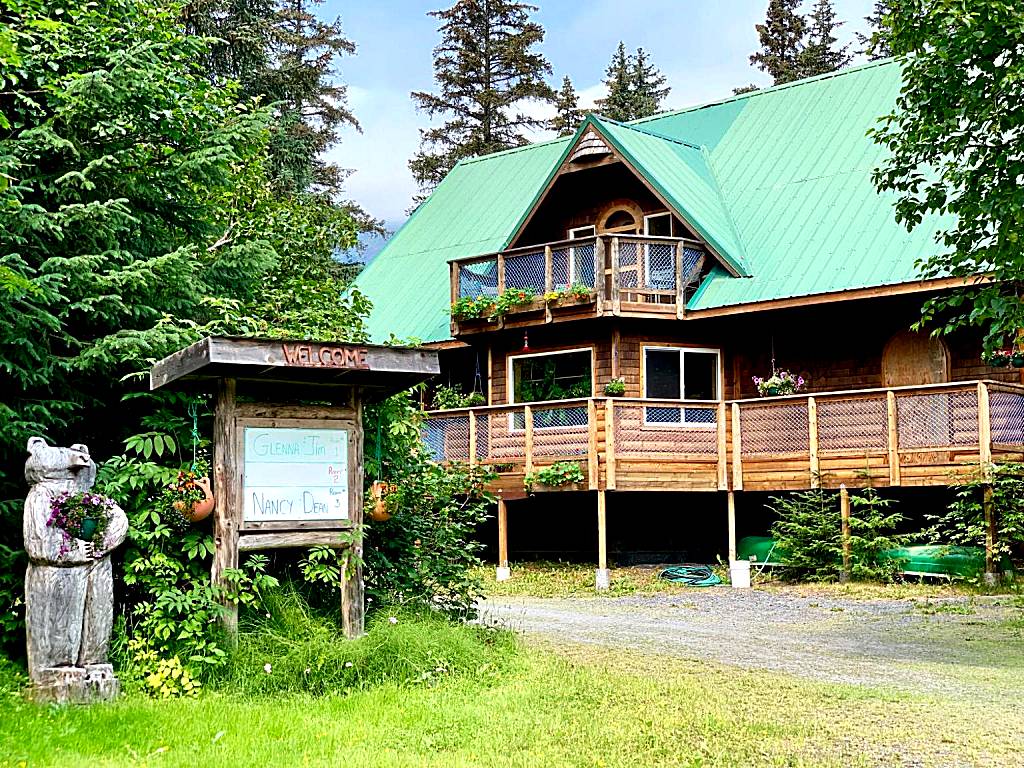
562, 475
615, 387
780, 383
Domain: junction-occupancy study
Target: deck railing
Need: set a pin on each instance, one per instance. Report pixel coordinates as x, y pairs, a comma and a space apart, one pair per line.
896, 436
624, 271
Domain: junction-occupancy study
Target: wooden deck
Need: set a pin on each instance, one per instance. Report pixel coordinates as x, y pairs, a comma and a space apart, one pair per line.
905, 436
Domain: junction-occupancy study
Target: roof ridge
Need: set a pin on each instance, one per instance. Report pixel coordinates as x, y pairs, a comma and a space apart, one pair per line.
767, 90
655, 134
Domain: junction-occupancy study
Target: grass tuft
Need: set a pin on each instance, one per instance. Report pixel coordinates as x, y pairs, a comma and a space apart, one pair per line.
292, 649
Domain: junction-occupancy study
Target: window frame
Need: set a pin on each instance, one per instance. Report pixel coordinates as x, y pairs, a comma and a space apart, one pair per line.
573, 232
510, 380
671, 223
681, 350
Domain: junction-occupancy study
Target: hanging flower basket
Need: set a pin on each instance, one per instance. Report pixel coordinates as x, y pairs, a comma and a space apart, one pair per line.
1017, 359
189, 499
999, 358
380, 491
779, 383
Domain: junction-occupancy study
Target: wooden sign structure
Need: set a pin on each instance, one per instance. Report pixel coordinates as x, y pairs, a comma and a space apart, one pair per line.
288, 441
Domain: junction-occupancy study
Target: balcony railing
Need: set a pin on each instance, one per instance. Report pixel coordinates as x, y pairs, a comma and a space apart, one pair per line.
924, 435
624, 272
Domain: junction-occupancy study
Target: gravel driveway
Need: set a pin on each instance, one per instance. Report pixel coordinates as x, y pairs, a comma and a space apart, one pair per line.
958, 646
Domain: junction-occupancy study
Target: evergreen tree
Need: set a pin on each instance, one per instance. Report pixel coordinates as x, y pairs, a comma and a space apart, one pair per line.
821, 54
635, 87
281, 53
876, 44
745, 89
648, 84
618, 104
781, 38
568, 114
485, 67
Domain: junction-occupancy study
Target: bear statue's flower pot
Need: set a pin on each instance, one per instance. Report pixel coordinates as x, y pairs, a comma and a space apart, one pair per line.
201, 509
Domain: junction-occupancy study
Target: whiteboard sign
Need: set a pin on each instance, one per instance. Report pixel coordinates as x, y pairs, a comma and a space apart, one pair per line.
295, 474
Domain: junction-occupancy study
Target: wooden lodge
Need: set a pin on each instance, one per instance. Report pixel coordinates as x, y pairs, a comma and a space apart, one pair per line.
683, 256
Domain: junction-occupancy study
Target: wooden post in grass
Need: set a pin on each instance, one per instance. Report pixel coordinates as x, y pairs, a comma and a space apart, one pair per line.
602, 577
991, 576
503, 571
844, 511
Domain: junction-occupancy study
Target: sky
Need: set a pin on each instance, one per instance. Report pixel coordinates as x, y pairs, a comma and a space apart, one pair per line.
702, 47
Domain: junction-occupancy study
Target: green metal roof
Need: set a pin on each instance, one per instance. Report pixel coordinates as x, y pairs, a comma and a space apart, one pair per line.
777, 181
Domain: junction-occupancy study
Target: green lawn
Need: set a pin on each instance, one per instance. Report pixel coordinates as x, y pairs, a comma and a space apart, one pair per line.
559, 706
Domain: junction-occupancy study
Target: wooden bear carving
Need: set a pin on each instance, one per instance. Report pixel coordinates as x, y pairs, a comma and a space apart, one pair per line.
69, 594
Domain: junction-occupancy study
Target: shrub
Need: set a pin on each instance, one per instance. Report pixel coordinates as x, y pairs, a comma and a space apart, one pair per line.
446, 398
963, 522
809, 535
291, 648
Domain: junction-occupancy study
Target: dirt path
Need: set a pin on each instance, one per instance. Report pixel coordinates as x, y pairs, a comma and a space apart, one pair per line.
959, 646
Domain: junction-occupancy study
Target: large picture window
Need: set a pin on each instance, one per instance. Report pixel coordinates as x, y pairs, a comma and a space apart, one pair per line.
550, 376
681, 373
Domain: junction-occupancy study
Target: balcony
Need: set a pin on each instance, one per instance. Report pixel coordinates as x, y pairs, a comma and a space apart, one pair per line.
612, 274
904, 436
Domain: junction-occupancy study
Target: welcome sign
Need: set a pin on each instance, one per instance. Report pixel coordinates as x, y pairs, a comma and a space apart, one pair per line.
293, 474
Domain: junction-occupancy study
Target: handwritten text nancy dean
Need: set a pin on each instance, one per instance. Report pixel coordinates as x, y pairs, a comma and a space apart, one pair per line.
295, 474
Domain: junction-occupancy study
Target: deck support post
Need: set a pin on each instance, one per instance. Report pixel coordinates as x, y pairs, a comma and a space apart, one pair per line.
844, 511
227, 515
503, 571
732, 525
991, 575
602, 577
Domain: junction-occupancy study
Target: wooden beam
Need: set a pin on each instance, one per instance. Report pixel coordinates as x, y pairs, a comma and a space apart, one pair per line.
812, 423
599, 277
593, 468
472, 438
737, 446
844, 512
609, 443
257, 541
528, 426
893, 439
502, 533
616, 301
731, 511
501, 273
616, 343
227, 482
353, 605
602, 542
723, 449
549, 284
680, 285
855, 294
984, 429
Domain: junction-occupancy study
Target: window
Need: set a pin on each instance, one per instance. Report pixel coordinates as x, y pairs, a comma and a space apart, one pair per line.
577, 232
658, 224
681, 373
550, 376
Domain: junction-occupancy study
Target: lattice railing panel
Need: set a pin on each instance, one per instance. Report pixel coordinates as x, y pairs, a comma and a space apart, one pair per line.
561, 269
447, 437
772, 429
660, 266
664, 431
629, 263
483, 434
1006, 411
937, 419
582, 256
525, 270
560, 431
478, 279
506, 440
860, 424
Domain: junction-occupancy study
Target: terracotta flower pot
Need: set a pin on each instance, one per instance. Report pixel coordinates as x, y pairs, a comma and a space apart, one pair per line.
201, 509
378, 512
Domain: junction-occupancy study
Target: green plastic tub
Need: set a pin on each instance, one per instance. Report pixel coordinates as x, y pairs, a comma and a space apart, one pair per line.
941, 560
759, 549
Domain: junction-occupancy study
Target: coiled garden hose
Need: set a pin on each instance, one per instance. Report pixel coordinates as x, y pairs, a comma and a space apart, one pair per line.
691, 575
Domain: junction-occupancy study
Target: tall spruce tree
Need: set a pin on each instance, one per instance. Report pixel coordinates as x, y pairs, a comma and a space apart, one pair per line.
283, 54
618, 104
568, 114
649, 88
486, 66
821, 54
635, 87
875, 44
781, 36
